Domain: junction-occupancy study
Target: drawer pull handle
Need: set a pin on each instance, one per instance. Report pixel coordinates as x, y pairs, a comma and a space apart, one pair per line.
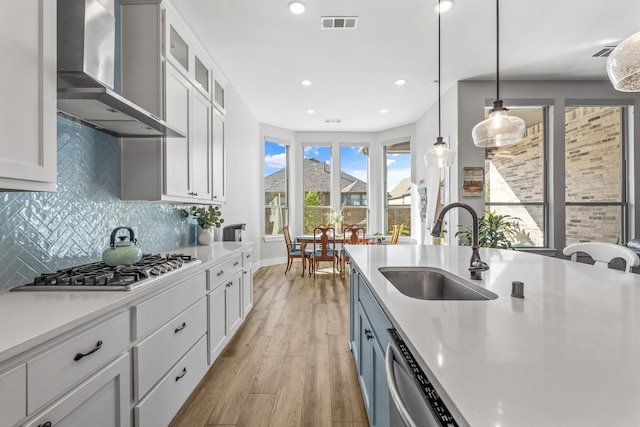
79, 356
182, 374
229, 284
181, 327
368, 334
47, 424
220, 273
235, 263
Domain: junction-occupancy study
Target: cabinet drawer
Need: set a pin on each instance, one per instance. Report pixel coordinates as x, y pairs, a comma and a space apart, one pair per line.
13, 389
164, 401
379, 321
70, 362
101, 401
153, 313
157, 353
247, 257
220, 273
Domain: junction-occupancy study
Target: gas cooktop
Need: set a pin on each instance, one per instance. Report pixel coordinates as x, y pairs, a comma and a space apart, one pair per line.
98, 276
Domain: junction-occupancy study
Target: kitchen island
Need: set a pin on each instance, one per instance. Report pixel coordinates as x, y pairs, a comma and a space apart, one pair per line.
568, 354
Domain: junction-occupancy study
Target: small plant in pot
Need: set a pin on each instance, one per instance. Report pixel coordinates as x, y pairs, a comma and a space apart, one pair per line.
207, 218
494, 231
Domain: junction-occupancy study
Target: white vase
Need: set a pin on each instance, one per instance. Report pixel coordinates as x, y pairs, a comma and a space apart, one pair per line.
206, 236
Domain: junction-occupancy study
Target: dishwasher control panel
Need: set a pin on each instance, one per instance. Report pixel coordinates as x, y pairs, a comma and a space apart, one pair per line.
429, 393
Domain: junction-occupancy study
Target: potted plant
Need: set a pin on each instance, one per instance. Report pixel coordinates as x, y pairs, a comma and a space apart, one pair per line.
207, 218
335, 218
494, 231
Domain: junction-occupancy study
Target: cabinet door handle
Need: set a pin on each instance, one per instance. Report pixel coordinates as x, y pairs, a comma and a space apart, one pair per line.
220, 273
229, 284
181, 327
235, 263
182, 374
47, 424
79, 356
368, 334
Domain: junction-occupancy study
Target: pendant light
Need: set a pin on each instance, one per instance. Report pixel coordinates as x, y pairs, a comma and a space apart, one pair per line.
499, 129
439, 151
623, 65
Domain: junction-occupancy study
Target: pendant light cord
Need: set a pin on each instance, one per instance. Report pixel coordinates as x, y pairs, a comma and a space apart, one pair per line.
497, 50
439, 112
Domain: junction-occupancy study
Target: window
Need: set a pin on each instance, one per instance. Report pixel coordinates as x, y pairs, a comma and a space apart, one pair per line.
595, 191
398, 187
515, 182
275, 188
353, 185
316, 183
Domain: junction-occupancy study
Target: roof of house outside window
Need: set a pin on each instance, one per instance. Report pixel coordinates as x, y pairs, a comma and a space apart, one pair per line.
317, 176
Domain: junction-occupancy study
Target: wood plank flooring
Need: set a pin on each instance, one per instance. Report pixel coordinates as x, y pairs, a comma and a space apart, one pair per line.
289, 364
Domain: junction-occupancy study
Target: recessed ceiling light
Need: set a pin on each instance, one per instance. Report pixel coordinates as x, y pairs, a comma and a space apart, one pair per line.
400, 82
297, 7
305, 82
310, 111
384, 111
443, 5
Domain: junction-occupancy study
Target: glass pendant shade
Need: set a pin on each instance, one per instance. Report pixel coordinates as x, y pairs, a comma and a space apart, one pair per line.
439, 154
499, 129
623, 65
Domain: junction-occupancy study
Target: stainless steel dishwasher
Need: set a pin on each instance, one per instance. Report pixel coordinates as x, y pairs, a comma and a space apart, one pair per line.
413, 400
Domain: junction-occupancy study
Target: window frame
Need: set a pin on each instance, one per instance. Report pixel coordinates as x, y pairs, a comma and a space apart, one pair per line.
286, 206
546, 132
385, 204
623, 204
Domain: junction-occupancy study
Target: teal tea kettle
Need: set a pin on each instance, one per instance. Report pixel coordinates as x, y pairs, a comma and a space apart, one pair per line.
122, 252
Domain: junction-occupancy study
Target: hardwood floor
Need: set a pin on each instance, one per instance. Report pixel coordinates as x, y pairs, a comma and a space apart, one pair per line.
289, 364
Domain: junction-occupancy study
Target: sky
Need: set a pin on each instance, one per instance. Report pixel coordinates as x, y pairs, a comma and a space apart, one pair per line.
353, 162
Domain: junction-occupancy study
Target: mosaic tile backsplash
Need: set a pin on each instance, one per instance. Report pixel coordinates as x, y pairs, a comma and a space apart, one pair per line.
42, 232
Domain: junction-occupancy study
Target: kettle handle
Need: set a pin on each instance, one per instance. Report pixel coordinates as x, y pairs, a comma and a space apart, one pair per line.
112, 242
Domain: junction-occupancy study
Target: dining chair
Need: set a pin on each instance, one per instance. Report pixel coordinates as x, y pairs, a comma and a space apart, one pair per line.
603, 253
293, 251
354, 235
324, 248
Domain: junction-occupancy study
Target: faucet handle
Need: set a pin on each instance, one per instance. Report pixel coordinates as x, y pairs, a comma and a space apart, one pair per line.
478, 265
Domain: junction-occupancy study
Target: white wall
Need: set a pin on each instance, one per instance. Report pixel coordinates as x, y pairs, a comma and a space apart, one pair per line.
243, 162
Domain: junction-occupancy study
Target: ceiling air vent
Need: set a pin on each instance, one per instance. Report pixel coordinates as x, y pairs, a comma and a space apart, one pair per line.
333, 120
604, 52
338, 22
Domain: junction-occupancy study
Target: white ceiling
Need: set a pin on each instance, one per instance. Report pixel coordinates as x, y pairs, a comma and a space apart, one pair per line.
265, 51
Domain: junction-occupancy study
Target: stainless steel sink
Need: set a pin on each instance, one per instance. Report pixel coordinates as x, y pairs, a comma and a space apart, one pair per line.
434, 284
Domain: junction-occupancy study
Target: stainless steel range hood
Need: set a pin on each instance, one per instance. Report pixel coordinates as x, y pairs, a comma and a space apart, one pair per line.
86, 59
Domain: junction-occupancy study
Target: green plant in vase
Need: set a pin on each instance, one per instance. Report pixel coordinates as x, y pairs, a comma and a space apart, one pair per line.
335, 218
207, 218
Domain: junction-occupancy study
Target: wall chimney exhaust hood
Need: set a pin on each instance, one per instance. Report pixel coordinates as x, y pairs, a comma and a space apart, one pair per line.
86, 67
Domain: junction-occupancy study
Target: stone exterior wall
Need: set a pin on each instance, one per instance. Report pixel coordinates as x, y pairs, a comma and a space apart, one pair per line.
592, 141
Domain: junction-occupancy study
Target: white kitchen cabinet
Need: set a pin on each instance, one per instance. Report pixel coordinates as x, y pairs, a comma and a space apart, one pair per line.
61, 367
153, 356
227, 301
13, 389
28, 120
161, 404
219, 183
247, 282
100, 401
165, 71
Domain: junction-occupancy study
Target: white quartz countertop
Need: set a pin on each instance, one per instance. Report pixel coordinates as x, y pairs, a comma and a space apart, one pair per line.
568, 354
30, 318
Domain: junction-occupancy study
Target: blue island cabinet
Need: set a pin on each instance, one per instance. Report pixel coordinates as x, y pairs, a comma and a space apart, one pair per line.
368, 335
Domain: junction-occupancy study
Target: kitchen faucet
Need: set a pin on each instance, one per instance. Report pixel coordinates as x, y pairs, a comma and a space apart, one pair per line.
476, 265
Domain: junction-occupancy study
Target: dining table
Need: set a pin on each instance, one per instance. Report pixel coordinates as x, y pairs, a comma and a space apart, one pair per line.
305, 239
